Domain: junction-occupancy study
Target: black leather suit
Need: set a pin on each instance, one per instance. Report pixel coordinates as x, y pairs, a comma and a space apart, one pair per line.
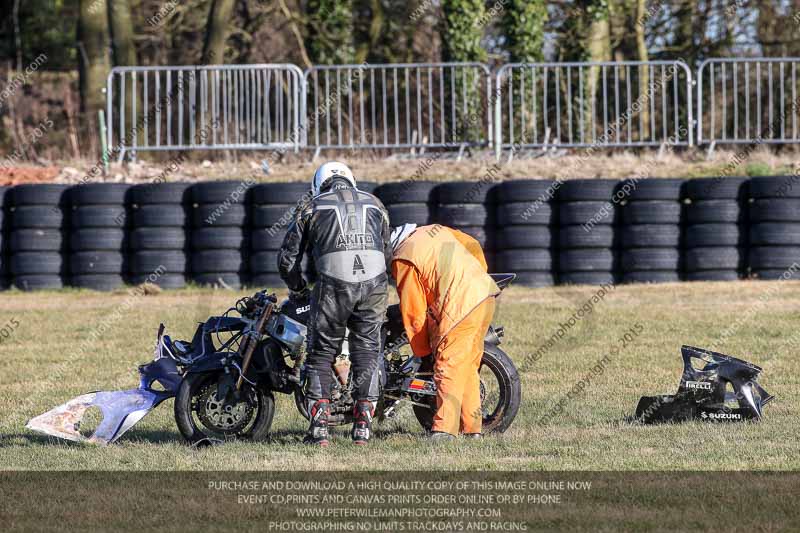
347, 232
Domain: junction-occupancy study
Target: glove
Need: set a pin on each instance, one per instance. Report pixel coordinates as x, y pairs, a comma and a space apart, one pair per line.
301, 295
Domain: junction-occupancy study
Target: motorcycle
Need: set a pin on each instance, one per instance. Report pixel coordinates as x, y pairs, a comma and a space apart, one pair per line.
225, 378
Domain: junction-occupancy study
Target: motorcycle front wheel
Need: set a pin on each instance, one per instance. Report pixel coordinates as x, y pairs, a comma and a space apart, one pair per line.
202, 417
501, 393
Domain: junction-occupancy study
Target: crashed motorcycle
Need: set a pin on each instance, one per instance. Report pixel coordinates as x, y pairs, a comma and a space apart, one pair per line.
225, 378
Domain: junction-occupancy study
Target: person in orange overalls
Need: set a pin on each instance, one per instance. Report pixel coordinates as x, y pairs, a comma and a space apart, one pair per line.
447, 304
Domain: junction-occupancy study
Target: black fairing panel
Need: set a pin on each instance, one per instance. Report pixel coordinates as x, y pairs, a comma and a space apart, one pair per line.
297, 309
269, 361
268, 357
224, 323
704, 391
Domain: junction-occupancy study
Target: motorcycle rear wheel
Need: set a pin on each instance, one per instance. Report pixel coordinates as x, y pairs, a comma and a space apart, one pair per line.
503, 397
248, 419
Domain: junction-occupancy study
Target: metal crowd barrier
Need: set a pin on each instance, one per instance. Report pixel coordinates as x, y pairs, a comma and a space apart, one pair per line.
603, 104
748, 100
404, 105
452, 105
214, 107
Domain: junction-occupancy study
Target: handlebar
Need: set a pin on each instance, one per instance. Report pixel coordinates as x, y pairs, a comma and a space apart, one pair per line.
249, 306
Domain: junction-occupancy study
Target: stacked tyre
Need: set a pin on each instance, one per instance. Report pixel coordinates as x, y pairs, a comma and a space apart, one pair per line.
587, 244
525, 221
774, 227
219, 233
159, 234
98, 241
715, 235
273, 207
468, 207
36, 243
408, 202
651, 230
3, 240
366, 186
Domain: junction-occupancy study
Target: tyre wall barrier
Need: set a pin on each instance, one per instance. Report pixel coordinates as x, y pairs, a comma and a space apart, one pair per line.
220, 233
524, 238
273, 206
715, 229
39, 232
4, 221
774, 227
651, 230
98, 240
159, 238
228, 233
587, 235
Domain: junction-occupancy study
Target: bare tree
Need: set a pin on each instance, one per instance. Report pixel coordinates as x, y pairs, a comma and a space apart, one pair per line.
119, 15
644, 71
93, 46
217, 31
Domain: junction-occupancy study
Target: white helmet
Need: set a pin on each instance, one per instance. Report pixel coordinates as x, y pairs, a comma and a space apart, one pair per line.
328, 171
399, 234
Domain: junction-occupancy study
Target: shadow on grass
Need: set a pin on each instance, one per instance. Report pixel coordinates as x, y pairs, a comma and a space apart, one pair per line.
22, 439
152, 436
284, 437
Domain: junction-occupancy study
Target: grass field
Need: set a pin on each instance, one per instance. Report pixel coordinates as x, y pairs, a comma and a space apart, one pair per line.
40, 367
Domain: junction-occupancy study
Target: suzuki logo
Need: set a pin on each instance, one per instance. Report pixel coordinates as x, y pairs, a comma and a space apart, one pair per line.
720, 416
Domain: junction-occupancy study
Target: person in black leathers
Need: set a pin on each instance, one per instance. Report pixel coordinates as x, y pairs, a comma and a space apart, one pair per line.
347, 233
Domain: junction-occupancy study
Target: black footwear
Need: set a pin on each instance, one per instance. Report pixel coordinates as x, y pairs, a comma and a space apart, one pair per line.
318, 412
362, 423
440, 436
473, 436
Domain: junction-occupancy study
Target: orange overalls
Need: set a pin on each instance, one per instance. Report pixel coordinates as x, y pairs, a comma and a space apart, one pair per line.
447, 304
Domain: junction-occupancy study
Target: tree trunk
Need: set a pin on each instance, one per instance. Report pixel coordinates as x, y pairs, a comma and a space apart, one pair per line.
688, 21
17, 35
598, 48
217, 32
644, 71
93, 45
369, 26
119, 15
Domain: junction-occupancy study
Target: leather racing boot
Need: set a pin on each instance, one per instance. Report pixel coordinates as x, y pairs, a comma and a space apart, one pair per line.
318, 412
363, 412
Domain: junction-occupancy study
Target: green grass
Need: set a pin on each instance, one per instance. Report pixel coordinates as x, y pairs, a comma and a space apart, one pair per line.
40, 368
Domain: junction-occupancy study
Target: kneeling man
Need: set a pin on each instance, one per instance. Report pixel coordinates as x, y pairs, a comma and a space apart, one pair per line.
447, 304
